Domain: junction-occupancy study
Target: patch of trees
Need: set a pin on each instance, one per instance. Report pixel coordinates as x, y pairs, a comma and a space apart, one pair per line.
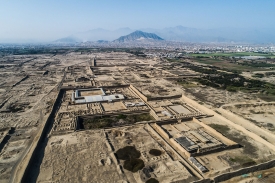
257, 64
34, 51
270, 74
258, 75
109, 120
202, 69
137, 53
234, 82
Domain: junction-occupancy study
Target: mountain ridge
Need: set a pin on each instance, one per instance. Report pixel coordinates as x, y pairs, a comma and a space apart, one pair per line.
138, 36
185, 34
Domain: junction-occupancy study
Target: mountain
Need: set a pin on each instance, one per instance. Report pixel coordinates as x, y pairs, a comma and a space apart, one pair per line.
187, 34
68, 40
138, 36
102, 34
177, 33
95, 35
102, 41
241, 35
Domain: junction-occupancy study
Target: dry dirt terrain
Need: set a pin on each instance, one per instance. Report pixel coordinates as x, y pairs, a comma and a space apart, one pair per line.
266, 176
90, 116
87, 158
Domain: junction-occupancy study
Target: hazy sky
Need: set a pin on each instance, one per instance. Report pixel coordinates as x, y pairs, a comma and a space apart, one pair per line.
52, 19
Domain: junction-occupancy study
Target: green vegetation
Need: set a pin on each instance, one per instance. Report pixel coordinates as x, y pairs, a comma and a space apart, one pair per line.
232, 82
234, 65
34, 51
244, 161
237, 82
56, 50
137, 53
131, 157
257, 64
97, 122
258, 75
109, 121
261, 75
229, 80
186, 84
236, 54
270, 74
155, 152
230, 64
121, 116
267, 98
139, 117
152, 180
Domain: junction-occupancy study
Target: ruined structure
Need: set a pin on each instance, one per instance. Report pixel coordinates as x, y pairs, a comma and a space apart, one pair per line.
69, 125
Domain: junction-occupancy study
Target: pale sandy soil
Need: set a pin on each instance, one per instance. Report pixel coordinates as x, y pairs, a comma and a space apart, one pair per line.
264, 176
85, 157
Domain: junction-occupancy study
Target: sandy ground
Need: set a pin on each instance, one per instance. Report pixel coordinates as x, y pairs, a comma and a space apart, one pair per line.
259, 114
75, 158
266, 134
85, 157
88, 156
30, 99
270, 79
265, 176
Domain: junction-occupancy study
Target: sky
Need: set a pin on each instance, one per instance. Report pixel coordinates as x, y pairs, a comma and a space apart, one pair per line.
47, 20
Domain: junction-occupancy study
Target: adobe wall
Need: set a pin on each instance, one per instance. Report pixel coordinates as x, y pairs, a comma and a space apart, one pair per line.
171, 140
203, 181
164, 97
23, 171
245, 122
179, 147
183, 161
93, 87
152, 113
143, 97
259, 167
161, 131
138, 93
215, 133
221, 118
225, 176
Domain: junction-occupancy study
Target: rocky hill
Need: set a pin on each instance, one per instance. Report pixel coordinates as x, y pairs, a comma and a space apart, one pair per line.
138, 36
